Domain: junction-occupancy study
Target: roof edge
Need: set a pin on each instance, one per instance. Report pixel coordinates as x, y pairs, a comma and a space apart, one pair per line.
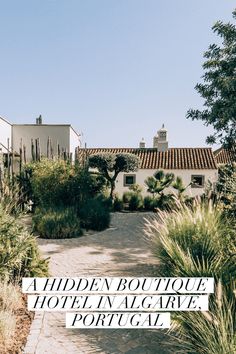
5, 120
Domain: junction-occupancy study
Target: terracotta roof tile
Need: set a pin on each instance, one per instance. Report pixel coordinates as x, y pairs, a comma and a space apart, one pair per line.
224, 156
172, 159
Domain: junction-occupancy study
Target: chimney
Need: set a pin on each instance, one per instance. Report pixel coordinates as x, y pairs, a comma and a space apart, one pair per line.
39, 120
142, 144
160, 140
155, 141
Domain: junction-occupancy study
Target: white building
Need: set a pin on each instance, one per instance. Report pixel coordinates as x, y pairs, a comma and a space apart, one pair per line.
5, 135
196, 166
22, 135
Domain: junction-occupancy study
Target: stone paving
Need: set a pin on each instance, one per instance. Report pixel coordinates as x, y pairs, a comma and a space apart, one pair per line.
120, 250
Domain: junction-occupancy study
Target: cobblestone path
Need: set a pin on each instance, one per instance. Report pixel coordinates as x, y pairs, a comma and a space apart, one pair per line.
120, 250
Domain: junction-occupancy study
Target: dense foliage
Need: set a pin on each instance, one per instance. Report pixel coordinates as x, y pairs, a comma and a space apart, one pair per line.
136, 202
219, 86
57, 223
95, 214
66, 197
19, 255
226, 190
58, 183
197, 242
118, 204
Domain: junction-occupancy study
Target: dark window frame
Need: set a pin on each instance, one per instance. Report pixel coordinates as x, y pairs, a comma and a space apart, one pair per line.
195, 185
129, 184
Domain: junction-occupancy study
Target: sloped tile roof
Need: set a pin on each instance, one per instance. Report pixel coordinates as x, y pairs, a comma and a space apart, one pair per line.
224, 156
172, 159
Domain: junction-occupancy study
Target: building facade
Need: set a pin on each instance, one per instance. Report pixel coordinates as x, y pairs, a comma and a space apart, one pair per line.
61, 136
196, 166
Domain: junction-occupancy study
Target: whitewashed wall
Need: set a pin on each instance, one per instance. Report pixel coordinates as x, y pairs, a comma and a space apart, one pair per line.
5, 133
57, 133
74, 141
141, 175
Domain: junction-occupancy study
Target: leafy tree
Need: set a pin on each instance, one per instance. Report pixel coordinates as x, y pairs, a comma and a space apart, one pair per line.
219, 86
110, 165
226, 191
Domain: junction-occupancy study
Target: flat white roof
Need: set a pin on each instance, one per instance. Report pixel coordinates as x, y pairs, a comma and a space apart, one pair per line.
47, 125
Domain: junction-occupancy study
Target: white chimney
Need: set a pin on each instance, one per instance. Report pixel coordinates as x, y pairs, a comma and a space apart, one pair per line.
142, 144
155, 141
160, 140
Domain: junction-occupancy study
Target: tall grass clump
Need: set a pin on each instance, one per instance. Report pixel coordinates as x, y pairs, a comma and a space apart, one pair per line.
11, 195
10, 297
19, 254
7, 329
209, 332
193, 242
10, 302
197, 242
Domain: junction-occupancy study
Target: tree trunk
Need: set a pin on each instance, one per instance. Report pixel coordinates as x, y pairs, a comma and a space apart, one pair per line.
112, 190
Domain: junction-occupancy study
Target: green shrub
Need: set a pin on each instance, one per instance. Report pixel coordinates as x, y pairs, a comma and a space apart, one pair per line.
196, 242
118, 204
136, 202
127, 196
208, 332
165, 202
95, 214
57, 223
148, 203
19, 254
49, 181
57, 183
193, 242
136, 188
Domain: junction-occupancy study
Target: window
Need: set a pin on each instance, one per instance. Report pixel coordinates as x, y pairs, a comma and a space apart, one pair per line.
197, 181
129, 180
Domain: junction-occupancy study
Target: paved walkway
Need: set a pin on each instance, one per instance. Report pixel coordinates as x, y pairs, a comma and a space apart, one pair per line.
118, 251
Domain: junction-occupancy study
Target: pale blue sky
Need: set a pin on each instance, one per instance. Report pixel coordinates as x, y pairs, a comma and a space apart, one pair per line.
115, 69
